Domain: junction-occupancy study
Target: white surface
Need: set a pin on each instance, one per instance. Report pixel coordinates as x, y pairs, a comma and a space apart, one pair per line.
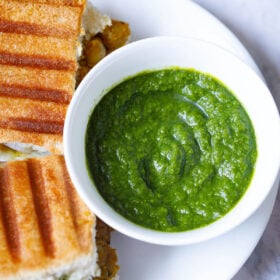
221, 258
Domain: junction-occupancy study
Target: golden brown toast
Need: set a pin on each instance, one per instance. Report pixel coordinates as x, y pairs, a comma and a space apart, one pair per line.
45, 228
74, 3
38, 63
44, 225
38, 51
43, 18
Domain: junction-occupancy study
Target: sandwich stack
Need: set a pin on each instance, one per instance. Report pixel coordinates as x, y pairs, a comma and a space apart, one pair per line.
38, 63
46, 231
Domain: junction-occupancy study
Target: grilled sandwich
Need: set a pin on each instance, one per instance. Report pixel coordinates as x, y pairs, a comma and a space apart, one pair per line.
42, 45
46, 231
39, 50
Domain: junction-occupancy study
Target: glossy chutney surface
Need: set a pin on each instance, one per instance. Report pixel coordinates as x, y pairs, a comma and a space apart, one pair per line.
171, 150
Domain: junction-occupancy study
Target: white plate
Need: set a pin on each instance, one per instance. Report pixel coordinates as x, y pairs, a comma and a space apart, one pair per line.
218, 258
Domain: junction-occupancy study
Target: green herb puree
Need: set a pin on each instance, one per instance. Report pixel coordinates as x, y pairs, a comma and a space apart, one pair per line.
171, 150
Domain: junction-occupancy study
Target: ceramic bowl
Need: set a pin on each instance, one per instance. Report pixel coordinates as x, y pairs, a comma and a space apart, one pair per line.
158, 53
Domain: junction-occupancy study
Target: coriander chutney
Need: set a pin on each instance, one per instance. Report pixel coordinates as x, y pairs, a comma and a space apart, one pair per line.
171, 150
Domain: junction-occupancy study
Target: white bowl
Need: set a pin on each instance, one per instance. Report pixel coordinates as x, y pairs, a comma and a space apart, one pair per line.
162, 52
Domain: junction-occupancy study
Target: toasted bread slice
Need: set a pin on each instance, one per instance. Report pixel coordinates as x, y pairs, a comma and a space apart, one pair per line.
39, 43
38, 51
45, 228
34, 83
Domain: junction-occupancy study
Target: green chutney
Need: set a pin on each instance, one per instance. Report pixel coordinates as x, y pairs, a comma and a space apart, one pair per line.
171, 150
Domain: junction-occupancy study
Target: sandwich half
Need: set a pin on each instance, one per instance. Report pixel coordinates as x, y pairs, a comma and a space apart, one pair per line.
46, 231
43, 44
39, 43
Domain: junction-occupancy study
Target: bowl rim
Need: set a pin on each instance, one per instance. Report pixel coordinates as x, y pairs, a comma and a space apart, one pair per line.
145, 234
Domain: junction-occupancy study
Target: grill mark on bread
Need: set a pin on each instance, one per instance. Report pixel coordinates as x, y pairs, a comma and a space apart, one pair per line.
9, 215
35, 29
70, 194
51, 17
37, 78
41, 205
59, 206
37, 65
48, 239
37, 61
27, 221
31, 110
78, 209
32, 45
29, 125
36, 93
